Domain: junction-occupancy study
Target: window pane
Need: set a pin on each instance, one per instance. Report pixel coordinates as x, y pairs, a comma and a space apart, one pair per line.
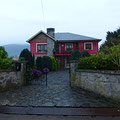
89, 46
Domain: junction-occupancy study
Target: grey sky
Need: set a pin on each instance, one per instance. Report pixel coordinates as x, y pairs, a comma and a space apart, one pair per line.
20, 19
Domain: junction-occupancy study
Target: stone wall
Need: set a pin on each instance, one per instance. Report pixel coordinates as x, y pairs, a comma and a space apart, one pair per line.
105, 83
50, 46
12, 79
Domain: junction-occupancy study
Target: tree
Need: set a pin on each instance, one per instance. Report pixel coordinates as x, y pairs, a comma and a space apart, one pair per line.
112, 38
27, 55
3, 53
39, 64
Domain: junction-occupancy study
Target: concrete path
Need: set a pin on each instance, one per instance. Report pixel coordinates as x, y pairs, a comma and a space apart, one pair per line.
57, 93
46, 117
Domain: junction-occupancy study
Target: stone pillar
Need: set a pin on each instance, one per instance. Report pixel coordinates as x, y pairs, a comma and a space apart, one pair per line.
73, 67
23, 73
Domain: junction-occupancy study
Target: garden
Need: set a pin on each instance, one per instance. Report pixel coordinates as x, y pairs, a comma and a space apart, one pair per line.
39, 67
108, 57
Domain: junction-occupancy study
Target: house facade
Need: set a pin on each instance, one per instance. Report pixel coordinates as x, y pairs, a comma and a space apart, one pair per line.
61, 45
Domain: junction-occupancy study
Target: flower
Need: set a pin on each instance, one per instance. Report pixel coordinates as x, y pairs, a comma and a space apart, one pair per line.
37, 72
46, 70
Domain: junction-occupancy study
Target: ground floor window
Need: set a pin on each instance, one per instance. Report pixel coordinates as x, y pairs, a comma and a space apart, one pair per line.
41, 47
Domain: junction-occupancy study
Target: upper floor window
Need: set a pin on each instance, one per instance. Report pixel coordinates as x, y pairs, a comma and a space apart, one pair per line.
69, 46
41, 47
88, 46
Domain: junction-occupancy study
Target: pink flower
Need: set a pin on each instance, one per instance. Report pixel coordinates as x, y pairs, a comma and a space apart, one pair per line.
46, 70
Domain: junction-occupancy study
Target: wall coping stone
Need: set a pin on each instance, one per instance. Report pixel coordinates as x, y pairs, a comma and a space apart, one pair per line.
7, 70
99, 71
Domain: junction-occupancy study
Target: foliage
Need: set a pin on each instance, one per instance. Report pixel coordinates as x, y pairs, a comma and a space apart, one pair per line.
43, 62
47, 62
39, 64
3, 53
114, 53
85, 54
75, 55
112, 38
100, 61
46, 70
29, 75
36, 73
54, 63
6, 63
27, 55
21, 59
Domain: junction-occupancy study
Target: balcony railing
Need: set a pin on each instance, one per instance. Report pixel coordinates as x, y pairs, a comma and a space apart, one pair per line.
68, 51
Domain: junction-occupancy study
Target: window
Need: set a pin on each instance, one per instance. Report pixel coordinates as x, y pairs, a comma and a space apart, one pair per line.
41, 47
69, 46
88, 46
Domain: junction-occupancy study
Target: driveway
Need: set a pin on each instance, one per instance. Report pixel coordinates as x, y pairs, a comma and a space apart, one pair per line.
57, 93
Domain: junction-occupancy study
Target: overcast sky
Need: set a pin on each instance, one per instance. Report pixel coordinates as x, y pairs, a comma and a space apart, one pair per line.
21, 19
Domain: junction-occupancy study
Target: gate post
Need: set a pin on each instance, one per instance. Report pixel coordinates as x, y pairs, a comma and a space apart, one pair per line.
72, 74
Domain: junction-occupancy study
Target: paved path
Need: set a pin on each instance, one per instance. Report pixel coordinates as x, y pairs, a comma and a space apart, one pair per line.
46, 117
57, 93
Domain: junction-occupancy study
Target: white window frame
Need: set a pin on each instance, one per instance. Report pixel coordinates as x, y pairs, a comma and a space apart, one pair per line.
68, 44
88, 43
39, 44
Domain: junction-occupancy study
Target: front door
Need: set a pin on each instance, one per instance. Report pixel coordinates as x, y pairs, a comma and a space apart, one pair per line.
62, 63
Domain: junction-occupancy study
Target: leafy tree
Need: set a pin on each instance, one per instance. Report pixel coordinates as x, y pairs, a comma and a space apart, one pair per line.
3, 53
27, 55
75, 55
112, 38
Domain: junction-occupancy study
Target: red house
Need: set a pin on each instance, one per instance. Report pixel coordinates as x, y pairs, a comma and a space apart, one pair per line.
61, 45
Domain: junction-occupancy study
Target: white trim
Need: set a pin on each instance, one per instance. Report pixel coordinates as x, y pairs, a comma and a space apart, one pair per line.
38, 34
88, 43
39, 44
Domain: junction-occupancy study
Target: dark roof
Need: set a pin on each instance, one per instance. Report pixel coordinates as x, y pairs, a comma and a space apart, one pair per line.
70, 36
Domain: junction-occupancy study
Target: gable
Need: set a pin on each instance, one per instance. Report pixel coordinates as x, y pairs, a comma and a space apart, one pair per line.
41, 37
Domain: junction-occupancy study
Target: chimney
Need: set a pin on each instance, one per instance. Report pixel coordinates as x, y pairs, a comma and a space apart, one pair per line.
51, 32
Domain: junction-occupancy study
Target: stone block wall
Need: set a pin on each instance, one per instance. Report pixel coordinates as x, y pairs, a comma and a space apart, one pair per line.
12, 79
105, 83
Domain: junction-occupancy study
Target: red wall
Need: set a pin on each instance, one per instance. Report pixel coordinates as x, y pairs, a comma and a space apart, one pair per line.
95, 47
93, 51
33, 48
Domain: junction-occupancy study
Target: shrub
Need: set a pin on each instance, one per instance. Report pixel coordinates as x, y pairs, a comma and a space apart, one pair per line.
47, 62
3, 53
54, 63
27, 55
85, 54
36, 73
43, 62
97, 62
6, 63
39, 64
75, 55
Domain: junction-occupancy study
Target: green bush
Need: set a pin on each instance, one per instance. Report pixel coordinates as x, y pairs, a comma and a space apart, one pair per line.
43, 62
6, 63
47, 62
85, 54
100, 61
55, 63
75, 55
27, 55
3, 53
39, 64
